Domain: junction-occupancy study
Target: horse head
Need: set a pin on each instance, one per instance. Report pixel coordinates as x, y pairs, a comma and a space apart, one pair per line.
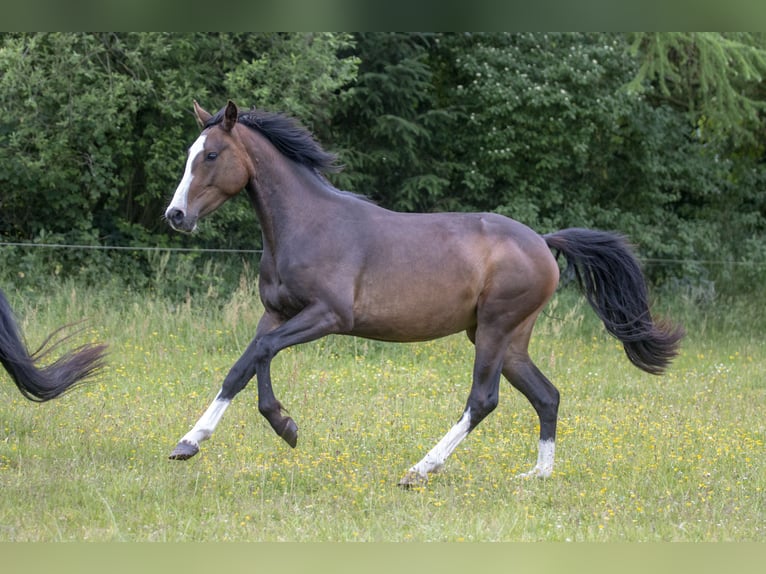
217, 168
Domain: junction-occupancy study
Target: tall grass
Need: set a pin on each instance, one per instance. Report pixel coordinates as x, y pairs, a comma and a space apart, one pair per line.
640, 458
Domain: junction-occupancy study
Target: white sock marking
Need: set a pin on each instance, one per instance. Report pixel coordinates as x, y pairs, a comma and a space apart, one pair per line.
546, 451
207, 422
436, 457
180, 196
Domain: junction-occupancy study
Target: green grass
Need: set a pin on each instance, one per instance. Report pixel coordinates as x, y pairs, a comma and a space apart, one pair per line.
639, 458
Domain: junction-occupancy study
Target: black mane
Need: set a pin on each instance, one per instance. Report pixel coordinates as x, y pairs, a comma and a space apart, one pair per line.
287, 135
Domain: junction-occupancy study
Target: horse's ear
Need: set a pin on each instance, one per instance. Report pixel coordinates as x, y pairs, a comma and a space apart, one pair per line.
201, 115
230, 116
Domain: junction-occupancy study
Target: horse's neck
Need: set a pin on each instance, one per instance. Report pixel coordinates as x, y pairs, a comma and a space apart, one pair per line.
285, 196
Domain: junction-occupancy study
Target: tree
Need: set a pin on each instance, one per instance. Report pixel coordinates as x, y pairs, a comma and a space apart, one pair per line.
94, 129
717, 78
551, 138
554, 137
389, 127
659, 136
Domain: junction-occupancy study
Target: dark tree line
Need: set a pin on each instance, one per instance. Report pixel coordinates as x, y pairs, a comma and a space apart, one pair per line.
659, 136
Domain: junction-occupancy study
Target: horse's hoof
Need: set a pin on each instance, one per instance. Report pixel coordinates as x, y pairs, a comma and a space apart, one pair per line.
184, 450
413, 480
536, 472
290, 432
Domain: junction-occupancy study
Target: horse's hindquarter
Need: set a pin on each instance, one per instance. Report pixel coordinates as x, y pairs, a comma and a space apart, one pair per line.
424, 276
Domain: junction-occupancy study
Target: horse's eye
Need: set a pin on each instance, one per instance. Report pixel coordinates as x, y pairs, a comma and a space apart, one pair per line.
211, 156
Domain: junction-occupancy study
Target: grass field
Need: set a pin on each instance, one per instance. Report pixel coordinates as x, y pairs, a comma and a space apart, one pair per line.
639, 458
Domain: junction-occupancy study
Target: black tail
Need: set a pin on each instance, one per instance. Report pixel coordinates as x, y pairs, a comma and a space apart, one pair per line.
43, 383
611, 280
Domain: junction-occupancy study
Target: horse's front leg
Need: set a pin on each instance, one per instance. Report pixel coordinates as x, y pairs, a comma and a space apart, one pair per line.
188, 446
236, 380
313, 322
272, 336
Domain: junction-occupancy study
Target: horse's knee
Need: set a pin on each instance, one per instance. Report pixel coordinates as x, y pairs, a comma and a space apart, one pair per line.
263, 352
232, 384
257, 356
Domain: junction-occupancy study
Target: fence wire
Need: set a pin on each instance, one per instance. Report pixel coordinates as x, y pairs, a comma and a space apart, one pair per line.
129, 248
649, 260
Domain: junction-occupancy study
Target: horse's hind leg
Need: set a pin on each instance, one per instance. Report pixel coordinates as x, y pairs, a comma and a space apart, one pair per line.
482, 400
522, 373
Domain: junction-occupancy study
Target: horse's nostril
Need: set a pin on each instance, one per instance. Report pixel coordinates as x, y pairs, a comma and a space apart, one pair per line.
175, 217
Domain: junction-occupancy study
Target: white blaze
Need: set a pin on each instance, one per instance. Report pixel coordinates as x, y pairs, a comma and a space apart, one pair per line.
180, 197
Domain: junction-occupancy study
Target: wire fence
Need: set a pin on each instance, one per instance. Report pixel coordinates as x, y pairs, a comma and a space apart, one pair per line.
128, 248
648, 260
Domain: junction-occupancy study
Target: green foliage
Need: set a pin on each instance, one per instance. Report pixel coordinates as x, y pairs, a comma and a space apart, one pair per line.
58, 130
715, 77
94, 129
659, 136
299, 74
553, 138
542, 116
389, 125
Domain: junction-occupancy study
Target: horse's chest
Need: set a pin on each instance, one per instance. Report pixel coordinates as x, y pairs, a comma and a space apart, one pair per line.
282, 297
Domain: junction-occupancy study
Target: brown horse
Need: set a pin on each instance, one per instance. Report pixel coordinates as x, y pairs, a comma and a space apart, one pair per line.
334, 262
47, 382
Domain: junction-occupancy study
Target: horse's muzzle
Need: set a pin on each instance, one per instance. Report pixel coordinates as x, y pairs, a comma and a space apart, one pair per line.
178, 220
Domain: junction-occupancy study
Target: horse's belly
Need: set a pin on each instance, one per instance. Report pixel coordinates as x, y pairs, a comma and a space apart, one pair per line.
403, 317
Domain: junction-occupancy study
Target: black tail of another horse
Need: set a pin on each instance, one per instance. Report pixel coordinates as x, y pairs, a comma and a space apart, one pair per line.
612, 281
47, 382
